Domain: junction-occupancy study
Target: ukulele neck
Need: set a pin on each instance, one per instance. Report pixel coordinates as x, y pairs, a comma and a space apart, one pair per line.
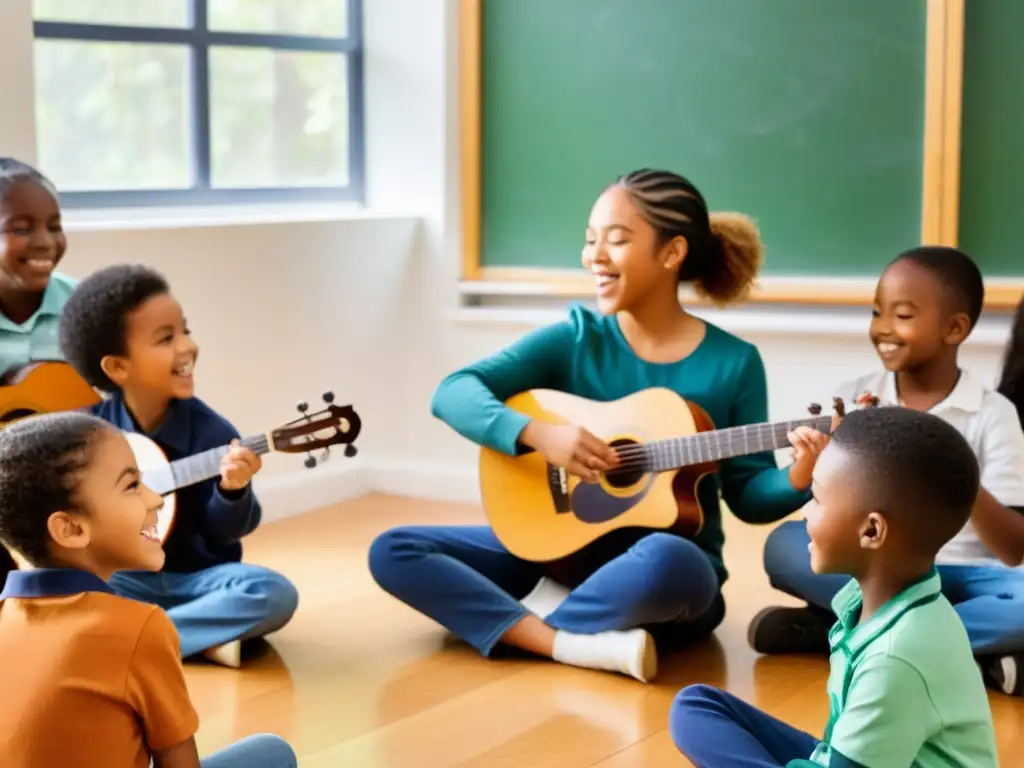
716, 445
202, 466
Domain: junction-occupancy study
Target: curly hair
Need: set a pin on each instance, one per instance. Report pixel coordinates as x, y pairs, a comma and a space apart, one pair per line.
41, 462
93, 323
1011, 382
724, 250
913, 466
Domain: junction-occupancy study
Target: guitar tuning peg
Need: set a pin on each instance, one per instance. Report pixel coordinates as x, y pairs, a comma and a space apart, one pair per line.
814, 409
326, 455
310, 461
302, 406
328, 397
351, 450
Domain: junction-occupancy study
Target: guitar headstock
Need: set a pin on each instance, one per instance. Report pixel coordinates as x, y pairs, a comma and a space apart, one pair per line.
334, 425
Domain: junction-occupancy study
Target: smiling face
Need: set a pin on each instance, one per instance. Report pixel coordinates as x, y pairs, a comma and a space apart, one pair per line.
32, 240
911, 321
842, 532
160, 354
115, 528
623, 253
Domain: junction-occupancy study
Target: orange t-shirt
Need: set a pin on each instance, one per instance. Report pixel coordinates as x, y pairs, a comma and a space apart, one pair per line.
89, 679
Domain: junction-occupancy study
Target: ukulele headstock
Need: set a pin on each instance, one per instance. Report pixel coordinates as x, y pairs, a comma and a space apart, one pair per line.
332, 425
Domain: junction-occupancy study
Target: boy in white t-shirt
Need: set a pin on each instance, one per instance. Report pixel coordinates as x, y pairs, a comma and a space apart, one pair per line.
926, 304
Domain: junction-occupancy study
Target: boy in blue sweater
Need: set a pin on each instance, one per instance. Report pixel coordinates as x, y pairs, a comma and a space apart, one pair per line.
126, 335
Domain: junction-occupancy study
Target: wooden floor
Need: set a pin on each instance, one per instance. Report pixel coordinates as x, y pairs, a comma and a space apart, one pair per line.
359, 680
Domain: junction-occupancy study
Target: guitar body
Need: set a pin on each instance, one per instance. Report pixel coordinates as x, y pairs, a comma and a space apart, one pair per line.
156, 473
43, 388
542, 514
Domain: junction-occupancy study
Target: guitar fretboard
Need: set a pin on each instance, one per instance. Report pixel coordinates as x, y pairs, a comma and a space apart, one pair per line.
199, 467
713, 446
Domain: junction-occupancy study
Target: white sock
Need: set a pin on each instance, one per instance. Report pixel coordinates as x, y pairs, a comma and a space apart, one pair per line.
545, 598
630, 653
227, 655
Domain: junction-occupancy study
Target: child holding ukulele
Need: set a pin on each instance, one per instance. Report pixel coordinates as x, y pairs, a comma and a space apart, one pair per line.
604, 606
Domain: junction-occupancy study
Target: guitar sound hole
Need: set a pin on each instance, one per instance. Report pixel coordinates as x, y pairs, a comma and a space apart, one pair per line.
632, 466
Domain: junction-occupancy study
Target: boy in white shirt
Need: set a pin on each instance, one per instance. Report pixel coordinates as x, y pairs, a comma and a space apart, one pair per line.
926, 304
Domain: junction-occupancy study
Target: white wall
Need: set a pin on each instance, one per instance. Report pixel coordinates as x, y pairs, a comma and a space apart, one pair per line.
365, 304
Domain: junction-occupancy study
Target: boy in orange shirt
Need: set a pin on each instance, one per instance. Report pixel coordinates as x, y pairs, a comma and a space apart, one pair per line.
91, 679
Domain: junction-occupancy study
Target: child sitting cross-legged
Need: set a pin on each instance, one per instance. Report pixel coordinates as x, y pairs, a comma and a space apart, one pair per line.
126, 335
892, 486
91, 679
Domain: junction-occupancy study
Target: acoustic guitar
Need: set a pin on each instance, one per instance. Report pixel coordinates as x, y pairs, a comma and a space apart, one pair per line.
46, 387
665, 444
334, 425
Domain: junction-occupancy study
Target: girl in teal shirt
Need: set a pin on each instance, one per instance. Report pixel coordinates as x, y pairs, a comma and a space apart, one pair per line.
32, 244
607, 605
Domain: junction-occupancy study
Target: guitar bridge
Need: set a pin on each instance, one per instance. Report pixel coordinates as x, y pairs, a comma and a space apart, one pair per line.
558, 485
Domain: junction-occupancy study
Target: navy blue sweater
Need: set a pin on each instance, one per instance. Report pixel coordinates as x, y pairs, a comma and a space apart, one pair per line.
209, 523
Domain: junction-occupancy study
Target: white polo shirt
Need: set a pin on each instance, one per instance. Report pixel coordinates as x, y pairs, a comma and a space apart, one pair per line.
991, 426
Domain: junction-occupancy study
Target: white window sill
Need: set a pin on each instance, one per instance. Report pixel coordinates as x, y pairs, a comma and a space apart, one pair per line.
156, 217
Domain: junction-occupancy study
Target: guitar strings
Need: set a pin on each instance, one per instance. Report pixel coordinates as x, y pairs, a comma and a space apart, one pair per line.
643, 455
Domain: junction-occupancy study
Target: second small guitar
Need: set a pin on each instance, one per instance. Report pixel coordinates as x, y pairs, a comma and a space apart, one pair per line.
334, 425
665, 446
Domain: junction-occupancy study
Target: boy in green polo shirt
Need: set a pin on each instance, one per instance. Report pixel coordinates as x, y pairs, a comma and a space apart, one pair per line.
891, 488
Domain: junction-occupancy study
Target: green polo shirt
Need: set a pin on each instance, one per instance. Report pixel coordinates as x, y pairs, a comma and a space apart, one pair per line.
36, 340
904, 688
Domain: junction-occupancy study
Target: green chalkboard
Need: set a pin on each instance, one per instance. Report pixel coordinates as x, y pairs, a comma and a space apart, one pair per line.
806, 114
992, 158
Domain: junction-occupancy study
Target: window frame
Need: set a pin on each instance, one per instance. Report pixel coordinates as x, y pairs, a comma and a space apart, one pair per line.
199, 38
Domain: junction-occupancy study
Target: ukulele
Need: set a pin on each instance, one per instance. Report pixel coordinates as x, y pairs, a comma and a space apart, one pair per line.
666, 446
334, 425
43, 387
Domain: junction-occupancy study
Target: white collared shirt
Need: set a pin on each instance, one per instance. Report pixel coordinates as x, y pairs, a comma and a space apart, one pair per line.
991, 426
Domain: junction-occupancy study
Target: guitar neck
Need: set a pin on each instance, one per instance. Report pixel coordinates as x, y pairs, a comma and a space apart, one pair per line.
202, 466
716, 445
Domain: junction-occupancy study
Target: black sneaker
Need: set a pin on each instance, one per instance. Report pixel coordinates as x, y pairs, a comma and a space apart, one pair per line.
790, 630
1004, 673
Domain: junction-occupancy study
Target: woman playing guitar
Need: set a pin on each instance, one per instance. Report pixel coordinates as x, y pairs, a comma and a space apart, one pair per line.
604, 606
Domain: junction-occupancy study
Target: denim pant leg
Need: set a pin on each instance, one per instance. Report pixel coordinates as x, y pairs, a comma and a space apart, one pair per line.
260, 751
661, 579
233, 601
460, 576
990, 602
714, 729
788, 565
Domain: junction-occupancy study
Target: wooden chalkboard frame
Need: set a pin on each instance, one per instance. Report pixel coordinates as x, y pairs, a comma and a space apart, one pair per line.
944, 47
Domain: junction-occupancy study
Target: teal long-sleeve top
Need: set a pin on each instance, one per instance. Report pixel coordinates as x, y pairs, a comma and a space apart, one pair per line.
588, 356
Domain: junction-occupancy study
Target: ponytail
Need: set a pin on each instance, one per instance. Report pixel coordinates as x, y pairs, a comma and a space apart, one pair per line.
724, 250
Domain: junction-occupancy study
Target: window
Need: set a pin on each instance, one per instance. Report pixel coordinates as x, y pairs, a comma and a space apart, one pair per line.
157, 102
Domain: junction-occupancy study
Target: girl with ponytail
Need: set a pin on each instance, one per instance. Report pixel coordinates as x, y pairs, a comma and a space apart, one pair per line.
608, 606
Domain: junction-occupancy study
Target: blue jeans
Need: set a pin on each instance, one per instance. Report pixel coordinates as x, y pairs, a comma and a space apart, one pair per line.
464, 579
260, 751
714, 729
989, 599
233, 601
